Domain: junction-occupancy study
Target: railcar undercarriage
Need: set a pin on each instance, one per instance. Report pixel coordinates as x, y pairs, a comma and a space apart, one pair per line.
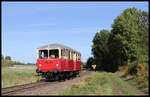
59, 75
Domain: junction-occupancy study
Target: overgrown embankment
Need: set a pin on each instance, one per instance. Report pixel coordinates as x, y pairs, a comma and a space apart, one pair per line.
136, 75
103, 83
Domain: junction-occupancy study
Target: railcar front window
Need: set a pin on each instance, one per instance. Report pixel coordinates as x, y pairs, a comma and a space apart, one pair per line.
43, 54
54, 53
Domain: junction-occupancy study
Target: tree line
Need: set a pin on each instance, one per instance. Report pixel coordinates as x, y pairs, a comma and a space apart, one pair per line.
125, 44
8, 61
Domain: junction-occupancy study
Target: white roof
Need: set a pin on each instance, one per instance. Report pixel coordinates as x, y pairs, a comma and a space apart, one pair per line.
56, 45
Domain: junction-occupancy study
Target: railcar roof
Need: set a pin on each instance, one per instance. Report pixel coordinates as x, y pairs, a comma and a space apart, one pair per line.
56, 45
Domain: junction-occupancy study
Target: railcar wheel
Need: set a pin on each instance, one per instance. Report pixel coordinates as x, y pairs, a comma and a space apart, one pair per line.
74, 74
62, 77
68, 77
78, 73
56, 78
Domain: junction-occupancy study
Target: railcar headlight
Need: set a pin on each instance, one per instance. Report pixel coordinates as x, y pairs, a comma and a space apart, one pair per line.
40, 65
57, 65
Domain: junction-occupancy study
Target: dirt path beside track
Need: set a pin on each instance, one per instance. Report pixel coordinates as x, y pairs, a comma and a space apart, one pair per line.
117, 90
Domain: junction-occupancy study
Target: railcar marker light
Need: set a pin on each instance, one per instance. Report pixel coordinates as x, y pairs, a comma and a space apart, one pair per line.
40, 65
57, 65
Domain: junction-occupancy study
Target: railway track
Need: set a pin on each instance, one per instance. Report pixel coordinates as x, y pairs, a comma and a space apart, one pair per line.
20, 88
28, 87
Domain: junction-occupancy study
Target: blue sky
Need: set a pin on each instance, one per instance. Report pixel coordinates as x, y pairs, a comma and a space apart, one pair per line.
29, 25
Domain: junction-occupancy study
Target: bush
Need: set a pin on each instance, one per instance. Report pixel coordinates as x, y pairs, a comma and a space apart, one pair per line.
123, 69
132, 69
140, 69
8, 58
140, 72
75, 86
5, 62
90, 62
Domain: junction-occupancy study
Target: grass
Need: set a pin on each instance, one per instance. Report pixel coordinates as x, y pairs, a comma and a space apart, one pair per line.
140, 79
5, 62
123, 85
97, 85
11, 77
137, 85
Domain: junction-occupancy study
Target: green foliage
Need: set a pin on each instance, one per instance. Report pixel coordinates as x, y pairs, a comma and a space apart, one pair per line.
140, 77
143, 37
100, 48
84, 65
8, 58
90, 62
7, 61
132, 69
75, 86
126, 44
4, 62
125, 30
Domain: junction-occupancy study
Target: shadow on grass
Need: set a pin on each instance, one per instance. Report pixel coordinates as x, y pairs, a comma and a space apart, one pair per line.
129, 79
124, 77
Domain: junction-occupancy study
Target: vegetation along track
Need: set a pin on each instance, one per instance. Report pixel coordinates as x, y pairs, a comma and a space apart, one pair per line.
121, 87
26, 87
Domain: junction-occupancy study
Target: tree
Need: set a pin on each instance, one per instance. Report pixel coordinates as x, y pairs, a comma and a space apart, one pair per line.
84, 65
125, 31
8, 58
100, 48
126, 43
90, 62
143, 37
129, 38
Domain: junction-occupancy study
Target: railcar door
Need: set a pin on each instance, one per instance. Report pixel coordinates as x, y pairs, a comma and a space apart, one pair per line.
64, 60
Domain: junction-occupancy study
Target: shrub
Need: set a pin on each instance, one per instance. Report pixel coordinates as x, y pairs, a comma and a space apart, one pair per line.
75, 86
140, 69
8, 58
132, 69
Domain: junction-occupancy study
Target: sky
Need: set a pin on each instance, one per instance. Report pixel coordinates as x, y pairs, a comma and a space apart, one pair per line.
29, 25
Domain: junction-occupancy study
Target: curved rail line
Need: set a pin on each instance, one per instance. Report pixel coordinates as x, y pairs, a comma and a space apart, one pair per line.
18, 88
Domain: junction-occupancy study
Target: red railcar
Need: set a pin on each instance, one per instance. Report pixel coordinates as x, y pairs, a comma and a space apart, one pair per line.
57, 61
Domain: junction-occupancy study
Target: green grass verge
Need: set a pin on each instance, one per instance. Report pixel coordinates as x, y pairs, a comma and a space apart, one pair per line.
123, 85
136, 84
97, 85
17, 77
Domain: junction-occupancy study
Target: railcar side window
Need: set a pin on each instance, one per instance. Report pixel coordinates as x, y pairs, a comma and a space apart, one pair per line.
79, 57
65, 53
74, 56
71, 55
